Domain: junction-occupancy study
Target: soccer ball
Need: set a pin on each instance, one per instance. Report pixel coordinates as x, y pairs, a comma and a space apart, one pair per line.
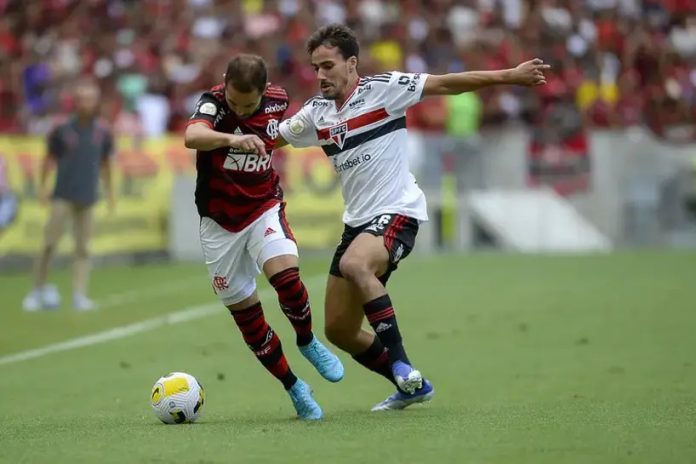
177, 398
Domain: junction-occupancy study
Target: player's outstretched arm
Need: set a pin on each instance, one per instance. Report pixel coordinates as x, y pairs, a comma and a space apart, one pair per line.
199, 136
529, 73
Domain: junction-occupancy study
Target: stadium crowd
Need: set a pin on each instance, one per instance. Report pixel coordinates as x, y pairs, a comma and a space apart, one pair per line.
615, 62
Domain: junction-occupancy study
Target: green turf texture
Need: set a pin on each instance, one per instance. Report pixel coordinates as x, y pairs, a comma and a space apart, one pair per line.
534, 359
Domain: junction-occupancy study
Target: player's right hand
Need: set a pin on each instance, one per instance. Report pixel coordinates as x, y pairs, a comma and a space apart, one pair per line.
248, 143
530, 73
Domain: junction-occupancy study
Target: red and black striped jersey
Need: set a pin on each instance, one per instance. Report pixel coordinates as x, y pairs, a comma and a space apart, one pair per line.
234, 187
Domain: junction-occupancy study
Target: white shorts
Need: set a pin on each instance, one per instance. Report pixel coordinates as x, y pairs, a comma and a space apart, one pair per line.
235, 259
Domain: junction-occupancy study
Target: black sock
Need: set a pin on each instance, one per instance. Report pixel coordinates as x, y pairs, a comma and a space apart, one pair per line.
376, 359
380, 314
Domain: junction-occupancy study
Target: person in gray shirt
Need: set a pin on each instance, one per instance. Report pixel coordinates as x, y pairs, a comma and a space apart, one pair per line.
80, 150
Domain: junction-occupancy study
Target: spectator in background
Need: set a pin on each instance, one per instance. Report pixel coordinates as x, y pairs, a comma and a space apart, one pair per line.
153, 110
80, 149
429, 115
8, 118
464, 112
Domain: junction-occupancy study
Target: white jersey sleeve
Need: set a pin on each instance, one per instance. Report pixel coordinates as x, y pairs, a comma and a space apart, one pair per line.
404, 90
299, 130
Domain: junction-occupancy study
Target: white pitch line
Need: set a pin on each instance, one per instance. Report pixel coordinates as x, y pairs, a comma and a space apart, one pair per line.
176, 317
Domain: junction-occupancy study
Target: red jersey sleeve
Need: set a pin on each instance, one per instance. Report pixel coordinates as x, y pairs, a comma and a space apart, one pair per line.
208, 110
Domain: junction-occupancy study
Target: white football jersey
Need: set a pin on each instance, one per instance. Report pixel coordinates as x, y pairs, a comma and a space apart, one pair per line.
366, 142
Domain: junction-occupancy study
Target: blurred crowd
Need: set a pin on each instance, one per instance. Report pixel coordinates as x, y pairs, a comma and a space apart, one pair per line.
616, 63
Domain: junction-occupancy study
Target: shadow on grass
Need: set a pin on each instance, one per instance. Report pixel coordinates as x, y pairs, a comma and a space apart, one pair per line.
273, 422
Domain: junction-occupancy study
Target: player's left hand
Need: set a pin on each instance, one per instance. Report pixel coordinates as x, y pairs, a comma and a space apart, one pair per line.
530, 73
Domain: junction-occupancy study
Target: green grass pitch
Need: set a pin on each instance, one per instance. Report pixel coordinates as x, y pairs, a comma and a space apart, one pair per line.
587, 359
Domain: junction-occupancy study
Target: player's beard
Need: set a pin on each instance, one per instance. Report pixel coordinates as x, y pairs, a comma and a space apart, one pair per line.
328, 91
335, 90
338, 87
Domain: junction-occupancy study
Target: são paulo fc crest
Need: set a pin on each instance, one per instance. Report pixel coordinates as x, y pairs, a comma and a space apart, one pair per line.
338, 134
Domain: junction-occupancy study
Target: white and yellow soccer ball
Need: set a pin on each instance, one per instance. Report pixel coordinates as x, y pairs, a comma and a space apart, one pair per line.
177, 398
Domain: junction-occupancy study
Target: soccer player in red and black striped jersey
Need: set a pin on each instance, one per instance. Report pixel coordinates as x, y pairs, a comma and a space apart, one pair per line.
243, 229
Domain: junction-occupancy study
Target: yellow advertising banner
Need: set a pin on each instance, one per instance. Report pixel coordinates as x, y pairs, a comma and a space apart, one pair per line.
143, 181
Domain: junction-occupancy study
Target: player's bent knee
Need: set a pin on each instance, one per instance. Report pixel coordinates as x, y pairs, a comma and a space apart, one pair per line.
245, 304
354, 268
236, 295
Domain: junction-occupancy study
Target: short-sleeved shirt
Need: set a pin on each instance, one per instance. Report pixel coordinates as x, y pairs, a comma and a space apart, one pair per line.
233, 187
79, 150
367, 143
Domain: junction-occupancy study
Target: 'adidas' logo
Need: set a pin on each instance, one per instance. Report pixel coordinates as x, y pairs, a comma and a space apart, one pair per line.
238, 131
382, 327
321, 120
268, 232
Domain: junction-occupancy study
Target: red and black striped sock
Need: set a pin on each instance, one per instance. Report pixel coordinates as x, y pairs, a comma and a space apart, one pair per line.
380, 315
294, 301
376, 359
264, 343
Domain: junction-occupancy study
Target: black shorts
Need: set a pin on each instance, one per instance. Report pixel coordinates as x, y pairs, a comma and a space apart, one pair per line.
399, 234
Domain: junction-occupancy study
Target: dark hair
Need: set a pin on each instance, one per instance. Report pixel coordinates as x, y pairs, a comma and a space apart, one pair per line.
335, 35
246, 73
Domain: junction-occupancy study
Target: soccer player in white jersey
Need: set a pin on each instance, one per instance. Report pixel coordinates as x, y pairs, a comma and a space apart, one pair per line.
360, 124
